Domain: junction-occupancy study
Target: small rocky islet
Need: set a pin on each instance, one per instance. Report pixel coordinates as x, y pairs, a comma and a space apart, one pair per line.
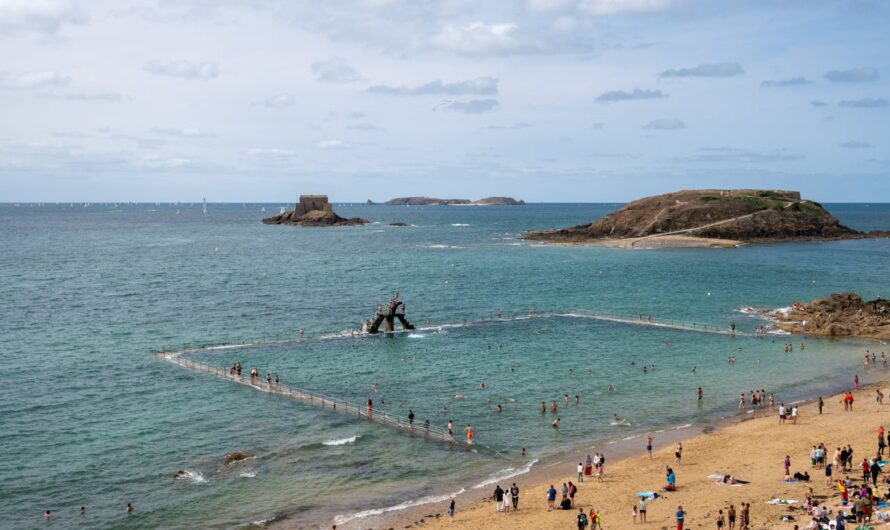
709, 218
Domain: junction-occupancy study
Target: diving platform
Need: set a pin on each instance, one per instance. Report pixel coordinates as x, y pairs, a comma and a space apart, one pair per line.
387, 315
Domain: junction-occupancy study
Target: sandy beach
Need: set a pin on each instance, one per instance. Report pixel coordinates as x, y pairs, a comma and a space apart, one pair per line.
752, 449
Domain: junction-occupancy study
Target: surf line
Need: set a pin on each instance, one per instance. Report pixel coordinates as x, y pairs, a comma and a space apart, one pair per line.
318, 400
675, 325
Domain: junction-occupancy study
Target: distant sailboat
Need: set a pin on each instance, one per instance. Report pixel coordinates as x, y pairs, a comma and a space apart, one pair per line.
205, 205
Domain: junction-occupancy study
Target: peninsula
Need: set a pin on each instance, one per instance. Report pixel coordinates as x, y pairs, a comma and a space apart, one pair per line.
430, 201
839, 315
313, 210
709, 218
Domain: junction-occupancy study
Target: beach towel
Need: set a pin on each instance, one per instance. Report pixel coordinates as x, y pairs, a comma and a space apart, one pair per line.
782, 502
647, 494
792, 481
716, 476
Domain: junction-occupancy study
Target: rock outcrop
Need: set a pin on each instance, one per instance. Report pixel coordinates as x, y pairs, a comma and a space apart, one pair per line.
234, 457
312, 210
839, 315
314, 218
713, 216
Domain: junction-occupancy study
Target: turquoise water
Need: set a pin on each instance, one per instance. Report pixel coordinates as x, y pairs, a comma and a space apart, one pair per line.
92, 418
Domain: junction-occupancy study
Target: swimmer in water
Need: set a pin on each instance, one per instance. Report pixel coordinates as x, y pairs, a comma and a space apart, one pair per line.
611, 388
693, 369
500, 408
555, 423
565, 397
543, 407
577, 399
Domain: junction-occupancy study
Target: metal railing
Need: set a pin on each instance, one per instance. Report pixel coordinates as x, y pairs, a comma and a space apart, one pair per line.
312, 398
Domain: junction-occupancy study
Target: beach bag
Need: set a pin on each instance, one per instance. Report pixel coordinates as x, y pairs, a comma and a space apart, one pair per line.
582, 519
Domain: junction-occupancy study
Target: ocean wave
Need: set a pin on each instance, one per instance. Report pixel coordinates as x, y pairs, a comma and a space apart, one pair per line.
459, 224
343, 519
416, 335
342, 441
247, 474
439, 245
505, 474
194, 476
782, 310
777, 332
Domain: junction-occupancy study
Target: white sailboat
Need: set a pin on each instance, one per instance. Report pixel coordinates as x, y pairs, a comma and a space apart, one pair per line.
205, 205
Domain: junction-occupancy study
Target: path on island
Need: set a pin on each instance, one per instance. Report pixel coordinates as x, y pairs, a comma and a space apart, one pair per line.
632, 242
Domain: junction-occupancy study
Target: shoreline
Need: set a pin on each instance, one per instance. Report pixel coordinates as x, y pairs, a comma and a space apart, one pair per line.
656, 241
473, 502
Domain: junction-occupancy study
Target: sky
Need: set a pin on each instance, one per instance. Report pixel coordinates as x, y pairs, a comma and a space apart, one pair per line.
543, 100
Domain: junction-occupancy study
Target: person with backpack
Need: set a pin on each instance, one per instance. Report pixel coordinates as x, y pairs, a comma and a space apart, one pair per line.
582, 519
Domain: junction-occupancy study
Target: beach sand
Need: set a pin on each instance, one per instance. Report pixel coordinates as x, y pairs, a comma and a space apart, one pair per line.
752, 449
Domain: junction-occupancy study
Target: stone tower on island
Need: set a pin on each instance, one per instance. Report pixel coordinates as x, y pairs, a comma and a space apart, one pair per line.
312, 203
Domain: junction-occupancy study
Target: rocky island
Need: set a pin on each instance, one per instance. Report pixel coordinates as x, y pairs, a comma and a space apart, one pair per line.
430, 201
709, 218
313, 210
839, 315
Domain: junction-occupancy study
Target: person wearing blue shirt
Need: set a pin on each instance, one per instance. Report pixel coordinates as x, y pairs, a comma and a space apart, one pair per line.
681, 514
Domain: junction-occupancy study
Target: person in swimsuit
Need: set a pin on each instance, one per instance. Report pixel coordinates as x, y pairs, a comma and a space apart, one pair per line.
720, 520
470, 434
649, 446
451, 510
730, 515
678, 453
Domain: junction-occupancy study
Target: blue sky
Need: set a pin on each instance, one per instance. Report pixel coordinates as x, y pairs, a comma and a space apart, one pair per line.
545, 100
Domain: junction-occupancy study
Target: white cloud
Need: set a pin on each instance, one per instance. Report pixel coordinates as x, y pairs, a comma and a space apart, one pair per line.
38, 16
546, 5
853, 75
625, 95
32, 80
332, 145
481, 86
279, 101
335, 70
473, 106
184, 69
83, 95
263, 152
478, 38
856, 144
706, 70
618, 7
665, 124
182, 132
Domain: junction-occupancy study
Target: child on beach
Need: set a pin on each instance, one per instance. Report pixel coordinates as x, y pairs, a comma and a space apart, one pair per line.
633, 514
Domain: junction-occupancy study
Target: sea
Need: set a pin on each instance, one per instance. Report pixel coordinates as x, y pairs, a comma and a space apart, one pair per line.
91, 417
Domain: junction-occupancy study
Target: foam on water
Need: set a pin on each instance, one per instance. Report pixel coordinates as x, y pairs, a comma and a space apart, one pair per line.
343, 519
505, 474
342, 441
194, 476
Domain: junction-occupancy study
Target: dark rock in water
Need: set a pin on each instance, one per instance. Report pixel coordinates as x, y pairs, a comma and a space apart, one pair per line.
234, 457
314, 218
839, 315
399, 223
